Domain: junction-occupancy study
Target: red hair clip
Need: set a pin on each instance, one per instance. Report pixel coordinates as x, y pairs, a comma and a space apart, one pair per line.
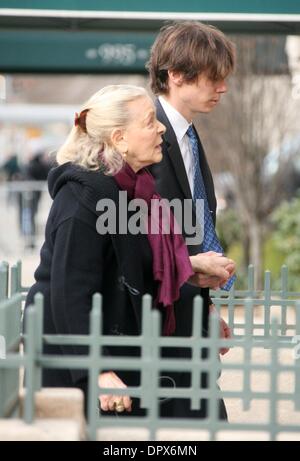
76, 119
80, 119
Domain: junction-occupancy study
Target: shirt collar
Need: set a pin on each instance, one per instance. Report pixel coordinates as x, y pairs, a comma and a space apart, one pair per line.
178, 122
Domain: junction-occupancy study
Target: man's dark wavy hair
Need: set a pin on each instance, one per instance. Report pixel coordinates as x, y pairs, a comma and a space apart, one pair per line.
192, 48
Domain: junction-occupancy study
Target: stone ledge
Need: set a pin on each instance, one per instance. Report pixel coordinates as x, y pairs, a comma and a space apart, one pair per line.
52, 402
57, 404
41, 430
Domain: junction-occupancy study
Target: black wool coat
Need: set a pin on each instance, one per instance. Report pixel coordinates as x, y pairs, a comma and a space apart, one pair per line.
76, 262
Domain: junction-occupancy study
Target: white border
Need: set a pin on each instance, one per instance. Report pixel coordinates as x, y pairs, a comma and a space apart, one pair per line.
250, 17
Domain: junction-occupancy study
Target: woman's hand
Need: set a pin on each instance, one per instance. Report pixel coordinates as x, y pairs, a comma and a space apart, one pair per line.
109, 402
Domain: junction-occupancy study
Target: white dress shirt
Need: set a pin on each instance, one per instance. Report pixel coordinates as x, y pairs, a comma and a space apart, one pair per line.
180, 126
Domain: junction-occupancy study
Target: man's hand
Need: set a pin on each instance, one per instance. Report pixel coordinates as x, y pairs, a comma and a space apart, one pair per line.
206, 281
225, 331
213, 264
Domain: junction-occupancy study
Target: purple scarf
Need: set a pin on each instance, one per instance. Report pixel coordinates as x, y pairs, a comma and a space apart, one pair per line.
171, 263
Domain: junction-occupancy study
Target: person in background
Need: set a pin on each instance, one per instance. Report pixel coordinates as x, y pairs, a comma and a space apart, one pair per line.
11, 168
36, 169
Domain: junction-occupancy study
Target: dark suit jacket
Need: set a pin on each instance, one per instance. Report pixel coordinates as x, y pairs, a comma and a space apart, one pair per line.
172, 182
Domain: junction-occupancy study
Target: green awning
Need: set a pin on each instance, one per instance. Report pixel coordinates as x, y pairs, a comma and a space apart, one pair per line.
115, 35
59, 51
215, 6
230, 15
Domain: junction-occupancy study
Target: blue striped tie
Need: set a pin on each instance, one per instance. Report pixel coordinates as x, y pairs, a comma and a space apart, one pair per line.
210, 239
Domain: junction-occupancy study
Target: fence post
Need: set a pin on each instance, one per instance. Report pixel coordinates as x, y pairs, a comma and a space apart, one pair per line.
284, 296
154, 335
273, 380
30, 363
93, 360
3, 280
247, 351
14, 280
146, 351
297, 360
39, 312
197, 337
267, 304
213, 372
251, 287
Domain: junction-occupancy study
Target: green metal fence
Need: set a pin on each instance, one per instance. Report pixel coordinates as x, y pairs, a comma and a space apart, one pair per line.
251, 332
10, 323
11, 280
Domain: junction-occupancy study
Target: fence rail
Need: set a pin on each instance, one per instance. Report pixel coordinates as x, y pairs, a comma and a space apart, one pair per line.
251, 320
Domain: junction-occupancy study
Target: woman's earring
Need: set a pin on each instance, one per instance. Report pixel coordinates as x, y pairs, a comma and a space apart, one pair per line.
124, 155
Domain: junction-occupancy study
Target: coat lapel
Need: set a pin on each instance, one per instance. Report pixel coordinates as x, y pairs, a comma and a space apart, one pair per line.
173, 152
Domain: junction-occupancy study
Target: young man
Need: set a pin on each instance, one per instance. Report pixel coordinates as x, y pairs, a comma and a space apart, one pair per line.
188, 67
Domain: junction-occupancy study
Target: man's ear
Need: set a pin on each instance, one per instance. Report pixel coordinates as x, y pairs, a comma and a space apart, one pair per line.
119, 140
175, 77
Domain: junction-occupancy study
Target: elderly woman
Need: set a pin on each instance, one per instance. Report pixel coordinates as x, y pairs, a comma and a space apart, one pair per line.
115, 137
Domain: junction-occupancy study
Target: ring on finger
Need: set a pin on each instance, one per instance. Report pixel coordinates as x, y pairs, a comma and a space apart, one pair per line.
119, 406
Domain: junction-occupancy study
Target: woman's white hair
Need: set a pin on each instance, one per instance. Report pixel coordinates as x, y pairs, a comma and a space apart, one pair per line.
107, 110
